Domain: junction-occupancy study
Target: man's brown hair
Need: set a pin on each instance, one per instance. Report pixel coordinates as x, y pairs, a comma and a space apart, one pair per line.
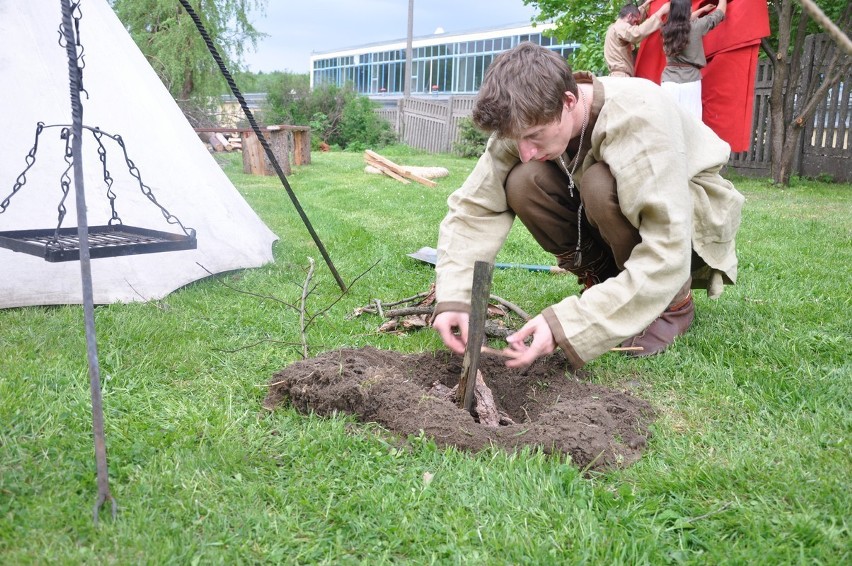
629, 9
524, 87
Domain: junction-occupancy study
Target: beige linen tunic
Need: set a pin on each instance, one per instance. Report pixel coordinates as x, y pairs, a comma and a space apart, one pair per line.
666, 165
619, 42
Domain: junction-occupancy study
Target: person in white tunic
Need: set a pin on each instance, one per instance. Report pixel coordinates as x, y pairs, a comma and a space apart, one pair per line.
683, 45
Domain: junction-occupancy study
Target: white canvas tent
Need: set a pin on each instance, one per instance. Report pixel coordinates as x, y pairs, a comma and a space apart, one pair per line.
123, 97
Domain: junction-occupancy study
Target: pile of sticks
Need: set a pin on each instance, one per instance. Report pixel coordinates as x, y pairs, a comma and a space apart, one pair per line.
415, 312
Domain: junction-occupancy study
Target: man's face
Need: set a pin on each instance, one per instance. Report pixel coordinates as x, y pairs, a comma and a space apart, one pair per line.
547, 141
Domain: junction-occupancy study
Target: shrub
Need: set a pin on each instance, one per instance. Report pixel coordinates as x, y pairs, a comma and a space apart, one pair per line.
360, 125
471, 141
336, 115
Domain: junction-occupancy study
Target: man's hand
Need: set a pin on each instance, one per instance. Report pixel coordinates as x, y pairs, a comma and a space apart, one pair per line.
519, 353
447, 323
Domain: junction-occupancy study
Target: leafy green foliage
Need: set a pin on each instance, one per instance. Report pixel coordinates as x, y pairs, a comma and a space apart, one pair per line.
581, 21
472, 140
337, 115
361, 128
286, 96
168, 38
276, 81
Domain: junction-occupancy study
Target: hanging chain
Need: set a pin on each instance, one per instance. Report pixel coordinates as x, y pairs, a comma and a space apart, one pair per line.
576, 161
67, 135
146, 190
65, 178
102, 155
64, 182
22, 178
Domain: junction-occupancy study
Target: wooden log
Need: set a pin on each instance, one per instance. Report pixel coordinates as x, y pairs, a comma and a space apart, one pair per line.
480, 292
279, 141
253, 155
302, 147
214, 141
399, 170
255, 160
224, 141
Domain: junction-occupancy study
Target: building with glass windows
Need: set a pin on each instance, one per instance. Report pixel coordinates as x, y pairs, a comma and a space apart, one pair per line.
442, 63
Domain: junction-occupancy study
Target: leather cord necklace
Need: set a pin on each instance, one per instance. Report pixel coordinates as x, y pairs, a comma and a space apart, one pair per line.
576, 160
578, 256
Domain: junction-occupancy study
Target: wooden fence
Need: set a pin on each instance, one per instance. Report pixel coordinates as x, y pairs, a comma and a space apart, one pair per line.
431, 125
825, 146
826, 143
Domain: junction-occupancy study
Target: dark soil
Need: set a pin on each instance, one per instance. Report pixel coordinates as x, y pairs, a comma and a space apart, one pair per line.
554, 410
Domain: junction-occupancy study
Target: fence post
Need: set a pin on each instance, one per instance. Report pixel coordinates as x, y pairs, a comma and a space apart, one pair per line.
400, 122
449, 131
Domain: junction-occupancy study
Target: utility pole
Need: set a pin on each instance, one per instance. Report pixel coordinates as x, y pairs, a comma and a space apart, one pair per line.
406, 91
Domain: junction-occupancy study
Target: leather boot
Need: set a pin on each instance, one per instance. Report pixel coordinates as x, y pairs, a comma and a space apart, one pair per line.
589, 273
674, 321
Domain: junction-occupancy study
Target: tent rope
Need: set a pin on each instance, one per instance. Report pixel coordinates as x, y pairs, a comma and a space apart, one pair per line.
837, 34
257, 131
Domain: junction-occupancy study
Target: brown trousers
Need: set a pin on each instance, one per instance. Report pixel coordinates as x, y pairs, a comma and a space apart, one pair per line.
538, 194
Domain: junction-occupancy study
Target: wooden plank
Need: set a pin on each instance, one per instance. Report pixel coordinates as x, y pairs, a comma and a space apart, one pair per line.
224, 141
387, 171
399, 170
480, 292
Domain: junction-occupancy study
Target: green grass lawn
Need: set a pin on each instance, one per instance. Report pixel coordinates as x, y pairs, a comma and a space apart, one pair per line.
750, 460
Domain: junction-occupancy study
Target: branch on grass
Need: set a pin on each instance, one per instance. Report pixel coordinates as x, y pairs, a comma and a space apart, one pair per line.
407, 311
305, 320
512, 307
710, 513
335, 301
302, 308
247, 346
259, 296
418, 314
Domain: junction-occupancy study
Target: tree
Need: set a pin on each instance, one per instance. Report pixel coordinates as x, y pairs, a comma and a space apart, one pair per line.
582, 21
170, 41
286, 96
797, 86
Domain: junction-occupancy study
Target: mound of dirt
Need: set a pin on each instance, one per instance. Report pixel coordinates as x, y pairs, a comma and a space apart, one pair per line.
552, 410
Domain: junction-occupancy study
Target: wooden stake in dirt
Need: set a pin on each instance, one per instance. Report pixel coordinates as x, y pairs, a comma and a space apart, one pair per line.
480, 292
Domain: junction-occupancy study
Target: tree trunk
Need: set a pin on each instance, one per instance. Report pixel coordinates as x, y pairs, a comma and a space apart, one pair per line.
800, 82
788, 154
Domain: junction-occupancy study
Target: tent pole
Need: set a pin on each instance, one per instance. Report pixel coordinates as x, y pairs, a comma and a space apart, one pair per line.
85, 264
